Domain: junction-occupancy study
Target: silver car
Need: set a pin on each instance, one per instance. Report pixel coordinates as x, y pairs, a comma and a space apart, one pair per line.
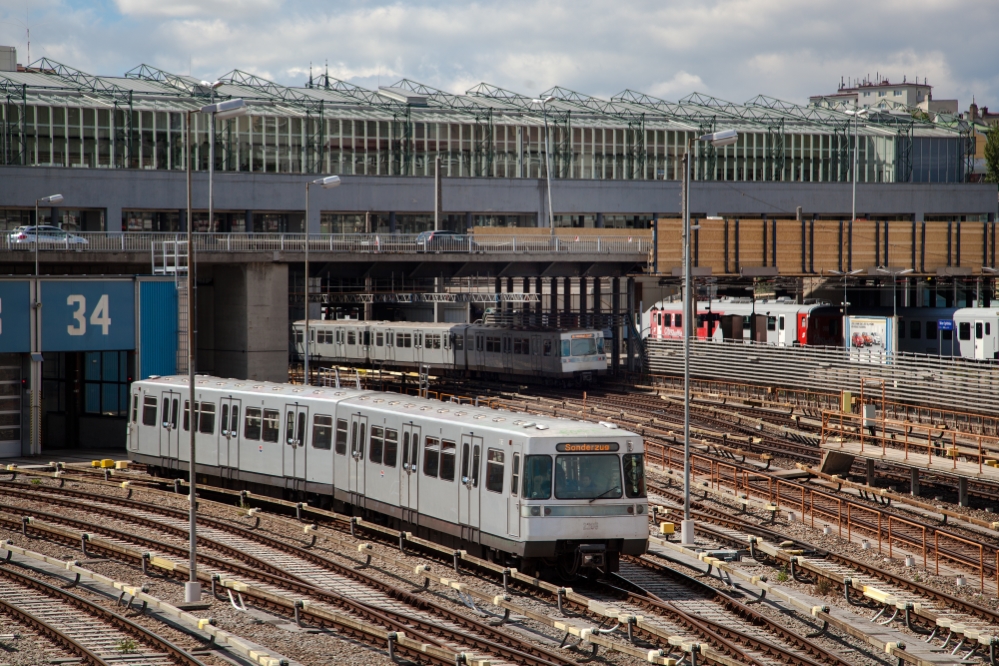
44, 234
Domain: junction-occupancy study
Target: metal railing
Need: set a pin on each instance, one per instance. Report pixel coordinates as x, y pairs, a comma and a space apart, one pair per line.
949, 383
93, 241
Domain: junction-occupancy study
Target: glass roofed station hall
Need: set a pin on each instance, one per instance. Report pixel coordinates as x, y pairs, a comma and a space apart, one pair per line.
115, 147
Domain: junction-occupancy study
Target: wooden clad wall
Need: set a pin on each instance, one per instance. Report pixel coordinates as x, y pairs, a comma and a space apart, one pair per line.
814, 247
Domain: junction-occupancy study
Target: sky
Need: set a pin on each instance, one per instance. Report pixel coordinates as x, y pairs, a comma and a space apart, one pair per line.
730, 49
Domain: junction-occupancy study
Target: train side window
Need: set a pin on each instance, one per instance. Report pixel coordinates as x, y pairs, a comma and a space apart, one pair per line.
537, 477
251, 429
459, 343
465, 455
978, 330
357, 441
173, 415
135, 408
149, 410
634, 475
515, 475
339, 336
224, 421
448, 451
771, 323
272, 426
548, 347
341, 437
931, 330
506, 346
431, 457
289, 428
677, 320
476, 455
964, 330
351, 337
780, 323
405, 449
234, 422
187, 414
565, 349
322, 432
391, 447
379, 339
988, 328
389, 338
302, 433
367, 339
492, 344
377, 444
494, 470
206, 422
478, 343
914, 329
745, 323
418, 339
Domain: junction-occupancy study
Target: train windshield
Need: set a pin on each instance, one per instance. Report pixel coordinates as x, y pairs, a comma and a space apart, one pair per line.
583, 346
634, 475
588, 476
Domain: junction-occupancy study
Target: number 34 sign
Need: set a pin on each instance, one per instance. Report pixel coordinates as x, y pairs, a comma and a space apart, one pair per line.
88, 315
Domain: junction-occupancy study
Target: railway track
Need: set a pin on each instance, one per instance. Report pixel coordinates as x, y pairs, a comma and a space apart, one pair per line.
89, 631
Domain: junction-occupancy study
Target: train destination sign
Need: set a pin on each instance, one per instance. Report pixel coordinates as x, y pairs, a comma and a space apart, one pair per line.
588, 448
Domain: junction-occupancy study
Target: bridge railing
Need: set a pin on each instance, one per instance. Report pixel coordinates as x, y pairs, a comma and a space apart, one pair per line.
147, 242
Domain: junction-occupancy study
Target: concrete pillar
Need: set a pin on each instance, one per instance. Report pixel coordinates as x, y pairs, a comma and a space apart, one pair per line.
914, 481
584, 320
597, 306
962, 491
567, 301
250, 320
630, 324
526, 307
870, 472
553, 304
615, 325
112, 218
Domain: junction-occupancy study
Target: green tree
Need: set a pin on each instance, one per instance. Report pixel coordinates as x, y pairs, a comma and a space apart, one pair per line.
992, 154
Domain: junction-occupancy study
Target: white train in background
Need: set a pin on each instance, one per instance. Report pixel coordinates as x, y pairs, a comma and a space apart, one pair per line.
523, 489
481, 350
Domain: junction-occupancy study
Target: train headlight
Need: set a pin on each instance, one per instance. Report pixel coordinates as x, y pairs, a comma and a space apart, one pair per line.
528, 511
640, 509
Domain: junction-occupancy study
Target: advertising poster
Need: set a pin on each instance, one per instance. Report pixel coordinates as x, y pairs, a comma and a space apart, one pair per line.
870, 339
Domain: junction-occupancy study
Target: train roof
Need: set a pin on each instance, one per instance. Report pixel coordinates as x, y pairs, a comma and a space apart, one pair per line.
481, 417
444, 326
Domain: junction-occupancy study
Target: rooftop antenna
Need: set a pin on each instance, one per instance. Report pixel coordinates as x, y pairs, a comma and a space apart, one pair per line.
310, 74
327, 76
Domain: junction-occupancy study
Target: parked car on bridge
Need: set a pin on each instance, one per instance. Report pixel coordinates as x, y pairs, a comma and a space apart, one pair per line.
44, 234
445, 241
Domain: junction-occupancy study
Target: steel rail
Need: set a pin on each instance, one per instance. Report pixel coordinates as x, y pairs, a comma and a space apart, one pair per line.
496, 642
177, 654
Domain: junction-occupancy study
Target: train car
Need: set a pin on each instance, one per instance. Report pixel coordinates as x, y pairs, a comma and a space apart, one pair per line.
530, 491
975, 332
786, 323
481, 350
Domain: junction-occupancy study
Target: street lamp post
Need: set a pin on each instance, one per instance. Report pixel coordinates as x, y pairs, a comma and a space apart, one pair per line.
548, 164
894, 278
717, 139
327, 183
231, 108
36, 356
223, 111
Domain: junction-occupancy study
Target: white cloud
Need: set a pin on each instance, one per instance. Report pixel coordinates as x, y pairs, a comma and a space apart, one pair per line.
734, 49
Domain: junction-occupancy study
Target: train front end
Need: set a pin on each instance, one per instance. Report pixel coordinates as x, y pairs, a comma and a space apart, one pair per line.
582, 355
583, 502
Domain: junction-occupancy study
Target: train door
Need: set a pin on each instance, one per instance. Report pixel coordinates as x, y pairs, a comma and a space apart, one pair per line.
513, 501
409, 478
295, 431
781, 331
229, 433
338, 342
169, 432
979, 339
507, 352
468, 493
418, 355
536, 364
355, 465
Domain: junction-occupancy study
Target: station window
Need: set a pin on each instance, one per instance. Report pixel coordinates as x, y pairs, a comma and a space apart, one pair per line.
106, 383
964, 330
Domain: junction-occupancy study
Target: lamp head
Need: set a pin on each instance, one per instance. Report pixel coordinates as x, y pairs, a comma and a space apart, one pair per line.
327, 183
212, 85
546, 100
51, 199
231, 108
722, 138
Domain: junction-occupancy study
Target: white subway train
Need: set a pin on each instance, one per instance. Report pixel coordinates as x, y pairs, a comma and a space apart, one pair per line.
532, 490
484, 350
972, 333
